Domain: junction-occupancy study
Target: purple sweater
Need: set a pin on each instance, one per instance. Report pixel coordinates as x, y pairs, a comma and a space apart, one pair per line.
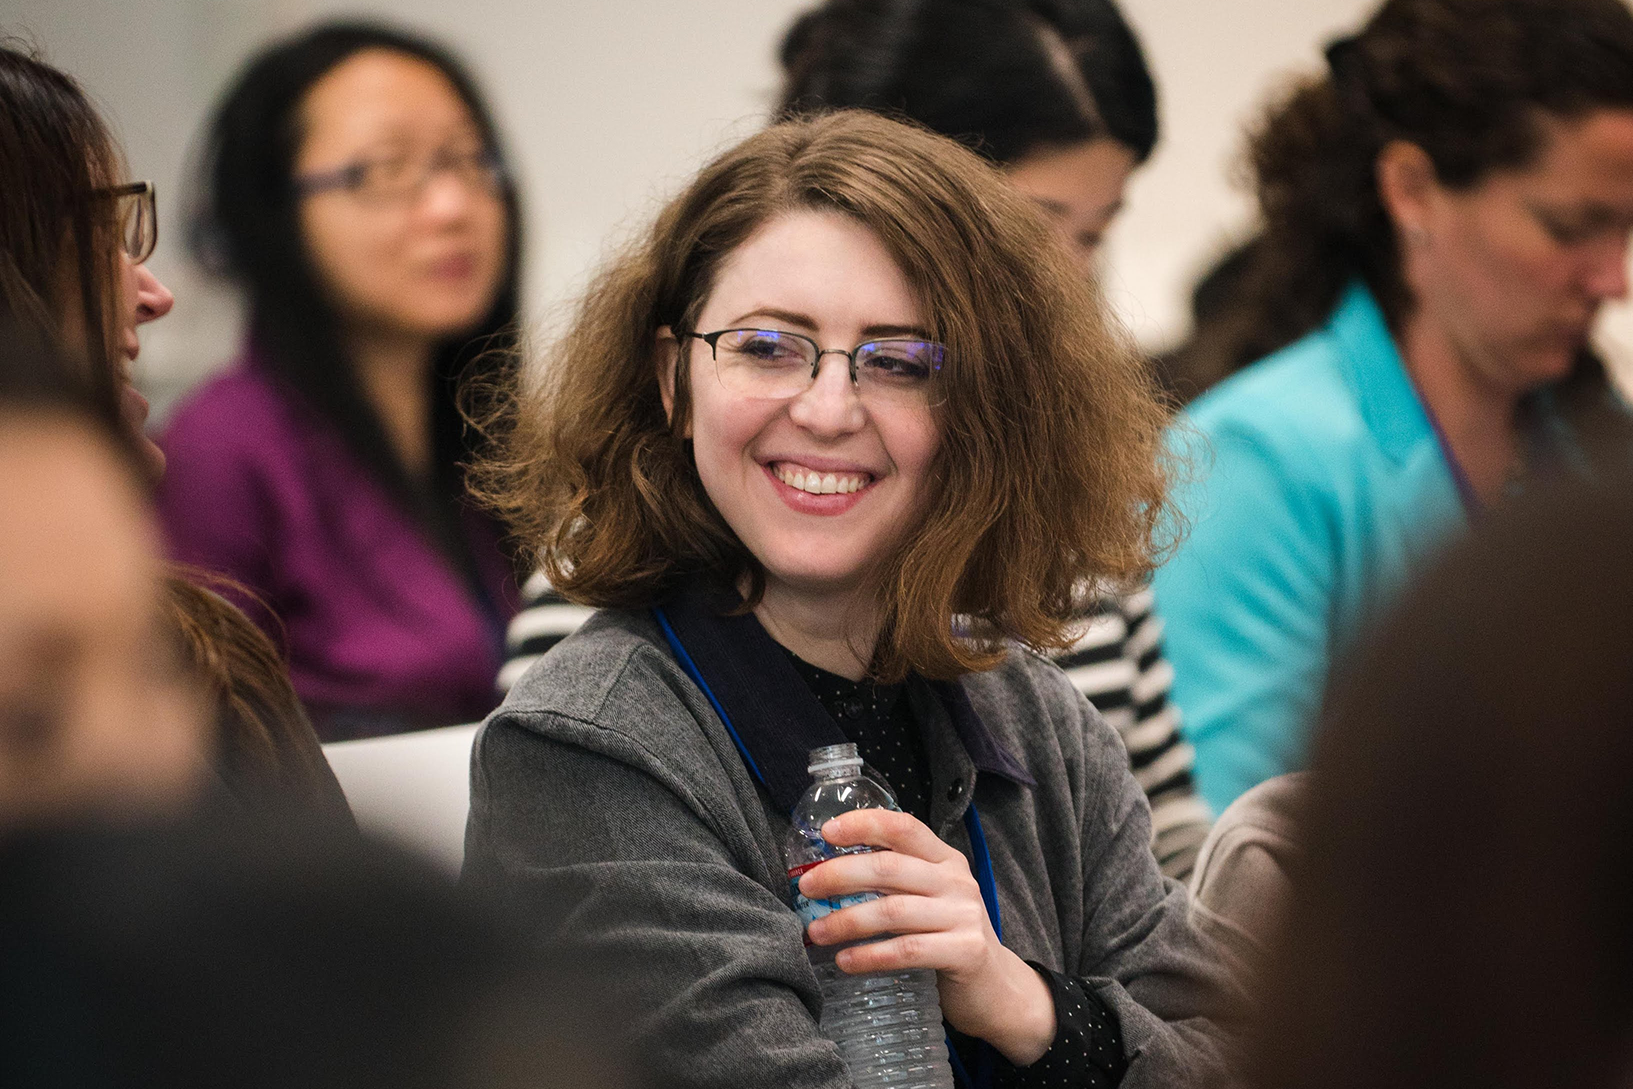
383, 631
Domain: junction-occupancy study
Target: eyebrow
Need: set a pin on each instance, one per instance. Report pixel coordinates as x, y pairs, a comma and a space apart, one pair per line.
806, 321
1590, 216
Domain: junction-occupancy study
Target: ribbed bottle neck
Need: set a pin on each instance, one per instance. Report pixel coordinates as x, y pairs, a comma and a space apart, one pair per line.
835, 762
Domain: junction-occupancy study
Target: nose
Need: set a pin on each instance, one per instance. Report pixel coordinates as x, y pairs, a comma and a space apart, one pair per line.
447, 197
153, 299
830, 406
1605, 276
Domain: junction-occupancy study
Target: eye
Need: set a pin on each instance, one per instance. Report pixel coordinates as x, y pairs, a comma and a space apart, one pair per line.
764, 346
384, 175
900, 361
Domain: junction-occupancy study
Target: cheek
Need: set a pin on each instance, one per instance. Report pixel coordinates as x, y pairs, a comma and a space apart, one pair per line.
356, 259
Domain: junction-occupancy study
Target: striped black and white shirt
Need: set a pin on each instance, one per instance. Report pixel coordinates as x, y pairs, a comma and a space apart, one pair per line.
1116, 662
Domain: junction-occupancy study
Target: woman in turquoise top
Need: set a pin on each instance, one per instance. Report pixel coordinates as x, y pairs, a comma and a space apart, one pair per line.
1444, 212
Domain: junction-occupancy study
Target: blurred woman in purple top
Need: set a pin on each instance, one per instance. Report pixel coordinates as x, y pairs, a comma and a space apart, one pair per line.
357, 193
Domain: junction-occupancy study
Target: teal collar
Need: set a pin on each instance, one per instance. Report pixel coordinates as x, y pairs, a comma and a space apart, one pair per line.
1374, 369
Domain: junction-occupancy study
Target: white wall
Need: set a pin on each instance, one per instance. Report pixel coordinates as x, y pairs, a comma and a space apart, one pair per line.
610, 104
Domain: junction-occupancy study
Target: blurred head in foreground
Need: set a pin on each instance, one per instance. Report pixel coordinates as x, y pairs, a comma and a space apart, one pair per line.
1465, 916
96, 710
266, 958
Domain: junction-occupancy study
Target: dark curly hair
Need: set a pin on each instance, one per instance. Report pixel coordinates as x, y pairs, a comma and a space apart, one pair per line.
1465, 80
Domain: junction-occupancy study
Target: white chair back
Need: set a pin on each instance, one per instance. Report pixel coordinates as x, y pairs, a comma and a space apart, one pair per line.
413, 788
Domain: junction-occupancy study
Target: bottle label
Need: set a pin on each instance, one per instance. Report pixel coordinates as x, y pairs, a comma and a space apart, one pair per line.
808, 909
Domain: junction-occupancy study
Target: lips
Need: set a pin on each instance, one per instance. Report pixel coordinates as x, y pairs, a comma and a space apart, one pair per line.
133, 407
460, 267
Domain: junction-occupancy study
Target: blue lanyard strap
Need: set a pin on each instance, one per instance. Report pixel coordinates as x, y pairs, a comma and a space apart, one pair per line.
972, 825
691, 669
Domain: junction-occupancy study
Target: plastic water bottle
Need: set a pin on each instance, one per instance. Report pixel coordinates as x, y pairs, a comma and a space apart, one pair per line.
887, 1024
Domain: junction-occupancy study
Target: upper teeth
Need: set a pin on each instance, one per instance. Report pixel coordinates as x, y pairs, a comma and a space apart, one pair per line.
819, 483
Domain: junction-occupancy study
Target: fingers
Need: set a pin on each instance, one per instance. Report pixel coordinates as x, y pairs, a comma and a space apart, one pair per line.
888, 872
943, 951
900, 915
890, 830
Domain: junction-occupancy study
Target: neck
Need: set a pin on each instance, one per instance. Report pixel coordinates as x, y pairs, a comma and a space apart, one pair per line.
833, 633
1478, 418
392, 373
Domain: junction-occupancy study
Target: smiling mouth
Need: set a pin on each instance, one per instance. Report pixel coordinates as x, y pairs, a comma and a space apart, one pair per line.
817, 483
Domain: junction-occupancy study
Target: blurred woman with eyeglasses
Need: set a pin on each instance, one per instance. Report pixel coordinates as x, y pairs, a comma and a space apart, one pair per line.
74, 234
357, 194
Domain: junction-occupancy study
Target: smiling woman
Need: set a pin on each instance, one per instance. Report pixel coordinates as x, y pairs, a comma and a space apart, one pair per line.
358, 194
835, 439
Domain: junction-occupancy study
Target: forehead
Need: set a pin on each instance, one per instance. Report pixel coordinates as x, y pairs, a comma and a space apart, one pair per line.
379, 95
822, 264
1586, 159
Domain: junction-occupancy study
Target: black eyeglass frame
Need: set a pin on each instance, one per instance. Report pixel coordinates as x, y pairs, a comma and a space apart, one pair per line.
147, 212
713, 340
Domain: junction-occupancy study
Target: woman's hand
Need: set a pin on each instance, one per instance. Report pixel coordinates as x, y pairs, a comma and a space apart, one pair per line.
931, 904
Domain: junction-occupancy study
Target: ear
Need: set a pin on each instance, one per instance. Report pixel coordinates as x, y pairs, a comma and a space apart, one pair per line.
667, 354
1408, 188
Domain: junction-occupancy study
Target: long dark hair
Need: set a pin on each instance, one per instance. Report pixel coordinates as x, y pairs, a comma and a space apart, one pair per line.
1007, 77
1466, 81
55, 156
248, 228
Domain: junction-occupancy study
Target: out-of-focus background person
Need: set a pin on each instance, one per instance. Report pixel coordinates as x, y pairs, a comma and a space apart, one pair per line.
1055, 91
358, 195
75, 235
1058, 93
1461, 914
1450, 205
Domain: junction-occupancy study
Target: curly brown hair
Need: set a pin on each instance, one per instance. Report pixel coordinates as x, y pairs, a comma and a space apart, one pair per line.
1465, 80
1050, 472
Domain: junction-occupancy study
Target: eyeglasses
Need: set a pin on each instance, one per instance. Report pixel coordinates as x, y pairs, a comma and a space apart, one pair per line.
400, 177
772, 364
136, 210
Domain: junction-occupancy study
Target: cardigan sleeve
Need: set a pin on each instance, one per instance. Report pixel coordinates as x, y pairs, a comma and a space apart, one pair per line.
1247, 602
609, 861
1139, 953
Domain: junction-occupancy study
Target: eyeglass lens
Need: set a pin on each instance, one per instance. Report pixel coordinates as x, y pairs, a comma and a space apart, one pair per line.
403, 175
139, 224
771, 363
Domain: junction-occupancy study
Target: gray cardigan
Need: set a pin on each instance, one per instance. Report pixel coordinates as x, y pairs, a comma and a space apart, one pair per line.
612, 807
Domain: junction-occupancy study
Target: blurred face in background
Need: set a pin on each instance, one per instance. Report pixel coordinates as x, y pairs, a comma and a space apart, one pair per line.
1513, 270
1079, 187
402, 215
95, 714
